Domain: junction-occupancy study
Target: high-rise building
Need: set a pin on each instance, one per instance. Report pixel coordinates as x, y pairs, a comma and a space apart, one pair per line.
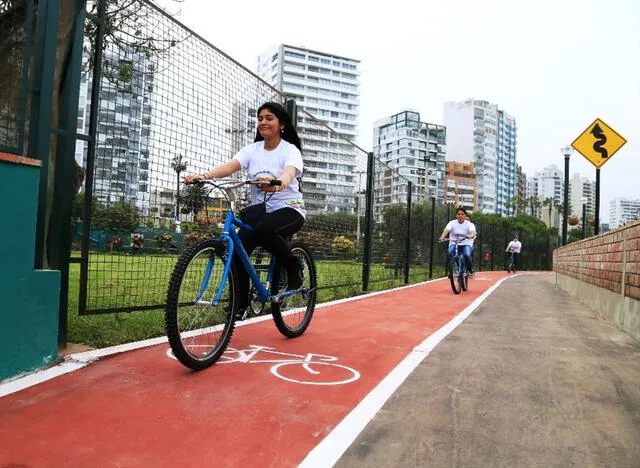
327, 87
479, 132
122, 160
623, 210
460, 185
547, 186
416, 151
582, 191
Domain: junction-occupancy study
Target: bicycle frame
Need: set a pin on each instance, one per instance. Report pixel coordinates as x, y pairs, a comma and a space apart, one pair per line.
459, 256
230, 237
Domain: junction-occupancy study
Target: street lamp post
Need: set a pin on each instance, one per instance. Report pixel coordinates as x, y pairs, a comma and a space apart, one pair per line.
565, 211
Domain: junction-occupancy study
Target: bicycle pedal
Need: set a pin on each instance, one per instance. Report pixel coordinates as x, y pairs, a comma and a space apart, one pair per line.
241, 315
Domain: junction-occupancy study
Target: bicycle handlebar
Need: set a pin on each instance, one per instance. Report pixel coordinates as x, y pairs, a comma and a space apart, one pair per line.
454, 239
238, 182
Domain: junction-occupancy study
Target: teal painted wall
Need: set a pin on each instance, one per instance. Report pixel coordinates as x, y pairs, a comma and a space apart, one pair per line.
28, 298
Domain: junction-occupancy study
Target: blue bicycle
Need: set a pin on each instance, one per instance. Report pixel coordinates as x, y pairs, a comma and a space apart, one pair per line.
456, 267
203, 294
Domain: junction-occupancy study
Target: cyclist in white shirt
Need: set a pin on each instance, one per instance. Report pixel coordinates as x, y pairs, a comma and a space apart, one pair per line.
460, 227
274, 154
514, 246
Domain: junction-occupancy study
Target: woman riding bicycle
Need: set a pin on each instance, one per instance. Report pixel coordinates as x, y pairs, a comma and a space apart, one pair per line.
275, 154
514, 247
460, 227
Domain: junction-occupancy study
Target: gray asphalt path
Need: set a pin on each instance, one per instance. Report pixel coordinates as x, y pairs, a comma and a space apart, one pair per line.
547, 383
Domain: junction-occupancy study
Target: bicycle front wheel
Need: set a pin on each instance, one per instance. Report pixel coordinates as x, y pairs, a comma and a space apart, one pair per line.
293, 315
464, 280
199, 331
454, 275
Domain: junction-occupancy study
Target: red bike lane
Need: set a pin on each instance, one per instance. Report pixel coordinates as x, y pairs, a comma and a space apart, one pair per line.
143, 408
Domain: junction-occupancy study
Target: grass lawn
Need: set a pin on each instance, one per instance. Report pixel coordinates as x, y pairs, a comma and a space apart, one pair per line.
131, 281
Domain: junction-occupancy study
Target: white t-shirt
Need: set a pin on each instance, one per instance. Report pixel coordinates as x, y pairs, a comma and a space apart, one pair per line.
456, 229
515, 246
259, 162
473, 229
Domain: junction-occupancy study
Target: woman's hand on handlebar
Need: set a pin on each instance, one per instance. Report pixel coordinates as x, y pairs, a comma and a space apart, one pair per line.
189, 179
270, 186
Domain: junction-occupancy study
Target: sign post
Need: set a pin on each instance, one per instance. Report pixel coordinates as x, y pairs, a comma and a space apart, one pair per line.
598, 143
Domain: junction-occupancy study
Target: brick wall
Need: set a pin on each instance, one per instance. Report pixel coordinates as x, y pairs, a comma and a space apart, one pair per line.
610, 260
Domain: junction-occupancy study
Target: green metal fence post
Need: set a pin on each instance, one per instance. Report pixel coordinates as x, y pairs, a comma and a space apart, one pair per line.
292, 110
407, 243
41, 106
91, 155
480, 241
368, 225
433, 237
59, 238
493, 241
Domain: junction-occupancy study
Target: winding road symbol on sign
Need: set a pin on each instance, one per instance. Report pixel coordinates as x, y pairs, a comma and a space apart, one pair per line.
598, 143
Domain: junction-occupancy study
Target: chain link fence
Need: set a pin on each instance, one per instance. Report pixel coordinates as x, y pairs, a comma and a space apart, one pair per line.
171, 104
17, 24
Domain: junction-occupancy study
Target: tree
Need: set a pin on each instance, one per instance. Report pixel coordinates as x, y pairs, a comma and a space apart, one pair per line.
77, 209
193, 198
534, 205
179, 166
551, 203
119, 217
519, 204
332, 224
559, 206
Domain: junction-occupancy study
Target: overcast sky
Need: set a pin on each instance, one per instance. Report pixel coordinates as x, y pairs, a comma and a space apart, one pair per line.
555, 65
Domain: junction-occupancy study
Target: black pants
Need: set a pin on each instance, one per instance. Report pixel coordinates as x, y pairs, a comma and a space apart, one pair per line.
271, 233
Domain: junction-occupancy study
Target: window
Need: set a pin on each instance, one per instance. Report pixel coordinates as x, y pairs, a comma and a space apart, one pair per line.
297, 55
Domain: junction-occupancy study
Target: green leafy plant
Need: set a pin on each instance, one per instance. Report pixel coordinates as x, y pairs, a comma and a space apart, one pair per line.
164, 241
343, 247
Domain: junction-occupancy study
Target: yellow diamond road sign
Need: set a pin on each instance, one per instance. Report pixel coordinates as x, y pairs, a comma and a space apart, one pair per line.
598, 143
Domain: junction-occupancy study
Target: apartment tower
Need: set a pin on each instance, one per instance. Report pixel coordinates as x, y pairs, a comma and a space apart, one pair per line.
480, 132
326, 86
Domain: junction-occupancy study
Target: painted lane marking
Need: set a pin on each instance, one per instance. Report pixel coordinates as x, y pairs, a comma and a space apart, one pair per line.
289, 369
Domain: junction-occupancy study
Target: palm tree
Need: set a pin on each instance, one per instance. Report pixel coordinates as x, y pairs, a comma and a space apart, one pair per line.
548, 202
519, 204
534, 205
559, 206
179, 166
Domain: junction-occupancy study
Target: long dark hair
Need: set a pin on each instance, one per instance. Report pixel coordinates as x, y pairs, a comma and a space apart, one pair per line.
289, 132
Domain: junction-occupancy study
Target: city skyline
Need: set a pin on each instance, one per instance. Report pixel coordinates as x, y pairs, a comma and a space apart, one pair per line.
554, 66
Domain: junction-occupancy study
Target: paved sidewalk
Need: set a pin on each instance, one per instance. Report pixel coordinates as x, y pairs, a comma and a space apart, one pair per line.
547, 383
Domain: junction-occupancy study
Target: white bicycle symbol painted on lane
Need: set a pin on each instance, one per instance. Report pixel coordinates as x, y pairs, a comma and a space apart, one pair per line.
296, 368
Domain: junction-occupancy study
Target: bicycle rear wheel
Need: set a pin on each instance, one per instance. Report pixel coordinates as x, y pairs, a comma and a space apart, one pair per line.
454, 275
293, 315
199, 331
